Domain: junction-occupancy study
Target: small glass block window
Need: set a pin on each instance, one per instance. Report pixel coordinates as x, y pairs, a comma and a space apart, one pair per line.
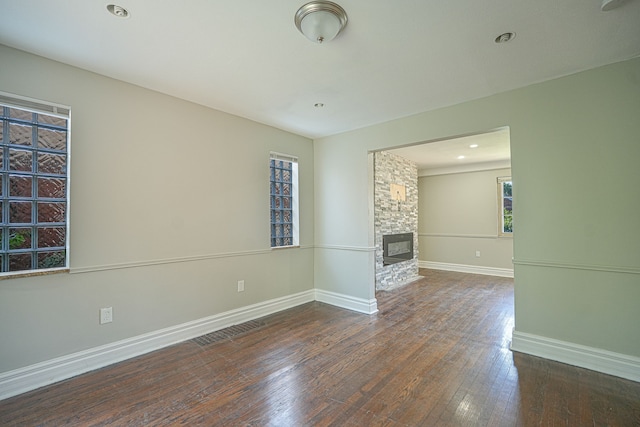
283, 194
33, 189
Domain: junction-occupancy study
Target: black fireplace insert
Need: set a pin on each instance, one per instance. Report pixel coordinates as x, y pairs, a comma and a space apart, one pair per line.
397, 248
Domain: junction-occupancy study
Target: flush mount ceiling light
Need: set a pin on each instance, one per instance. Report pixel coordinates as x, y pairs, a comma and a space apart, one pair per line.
320, 21
118, 11
505, 37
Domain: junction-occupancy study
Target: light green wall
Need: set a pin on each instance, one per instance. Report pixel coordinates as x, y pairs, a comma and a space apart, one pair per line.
154, 179
158, 179
458, 215
344, 252
575, 145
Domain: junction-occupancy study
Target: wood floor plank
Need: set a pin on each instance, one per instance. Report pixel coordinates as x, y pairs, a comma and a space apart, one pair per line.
436, 354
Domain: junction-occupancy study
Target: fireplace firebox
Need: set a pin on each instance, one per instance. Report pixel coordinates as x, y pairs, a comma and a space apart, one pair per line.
397, 248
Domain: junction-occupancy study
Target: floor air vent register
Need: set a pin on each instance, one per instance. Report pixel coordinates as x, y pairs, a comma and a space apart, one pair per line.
230, 332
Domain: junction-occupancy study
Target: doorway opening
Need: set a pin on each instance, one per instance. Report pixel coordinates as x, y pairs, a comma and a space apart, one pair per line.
457, 202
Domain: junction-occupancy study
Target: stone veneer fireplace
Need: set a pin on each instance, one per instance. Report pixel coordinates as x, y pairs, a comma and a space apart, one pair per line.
395, 214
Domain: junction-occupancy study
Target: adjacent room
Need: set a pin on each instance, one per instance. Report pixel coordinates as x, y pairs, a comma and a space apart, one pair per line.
464, 203
193, 229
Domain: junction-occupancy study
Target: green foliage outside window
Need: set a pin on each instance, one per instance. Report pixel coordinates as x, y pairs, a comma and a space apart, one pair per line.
505, 194
508, 221
507, 189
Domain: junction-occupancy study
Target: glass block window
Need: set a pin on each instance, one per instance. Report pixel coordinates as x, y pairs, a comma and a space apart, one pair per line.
283, 184
505, 208
34, 185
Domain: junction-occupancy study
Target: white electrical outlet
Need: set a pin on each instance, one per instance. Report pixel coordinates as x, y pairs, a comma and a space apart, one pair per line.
477, 254
106, 315
240, 285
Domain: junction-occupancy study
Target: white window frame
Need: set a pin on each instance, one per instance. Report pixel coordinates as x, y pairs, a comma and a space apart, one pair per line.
501, 217
56, 110
295, 228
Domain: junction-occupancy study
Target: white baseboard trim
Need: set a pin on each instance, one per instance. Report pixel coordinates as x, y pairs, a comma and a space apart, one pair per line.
462, 268
619, 365
48, 372
360, 305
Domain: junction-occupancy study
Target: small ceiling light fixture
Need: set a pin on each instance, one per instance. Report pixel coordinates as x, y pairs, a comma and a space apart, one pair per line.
608, 5
473, 146
505, 37
321, 21
318, 105
460, 157
118, 11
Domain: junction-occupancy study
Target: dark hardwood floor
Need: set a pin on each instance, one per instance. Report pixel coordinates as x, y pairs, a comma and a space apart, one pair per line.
436, 354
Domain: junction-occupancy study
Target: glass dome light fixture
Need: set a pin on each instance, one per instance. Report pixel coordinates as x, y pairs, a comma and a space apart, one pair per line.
118, 11
321, 21
505, 37
608, 5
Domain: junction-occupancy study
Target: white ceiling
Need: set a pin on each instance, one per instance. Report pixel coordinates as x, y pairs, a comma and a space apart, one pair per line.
394, 59
491, 150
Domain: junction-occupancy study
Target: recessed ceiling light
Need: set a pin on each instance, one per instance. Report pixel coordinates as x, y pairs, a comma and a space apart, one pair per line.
118, 11
473, 146
505, 37
318, 105
460, 157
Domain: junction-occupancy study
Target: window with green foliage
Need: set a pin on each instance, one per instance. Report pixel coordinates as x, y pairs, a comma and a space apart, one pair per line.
505, 195
34, 185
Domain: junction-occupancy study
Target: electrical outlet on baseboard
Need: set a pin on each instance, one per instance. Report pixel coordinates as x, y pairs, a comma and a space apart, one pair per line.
240, 285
